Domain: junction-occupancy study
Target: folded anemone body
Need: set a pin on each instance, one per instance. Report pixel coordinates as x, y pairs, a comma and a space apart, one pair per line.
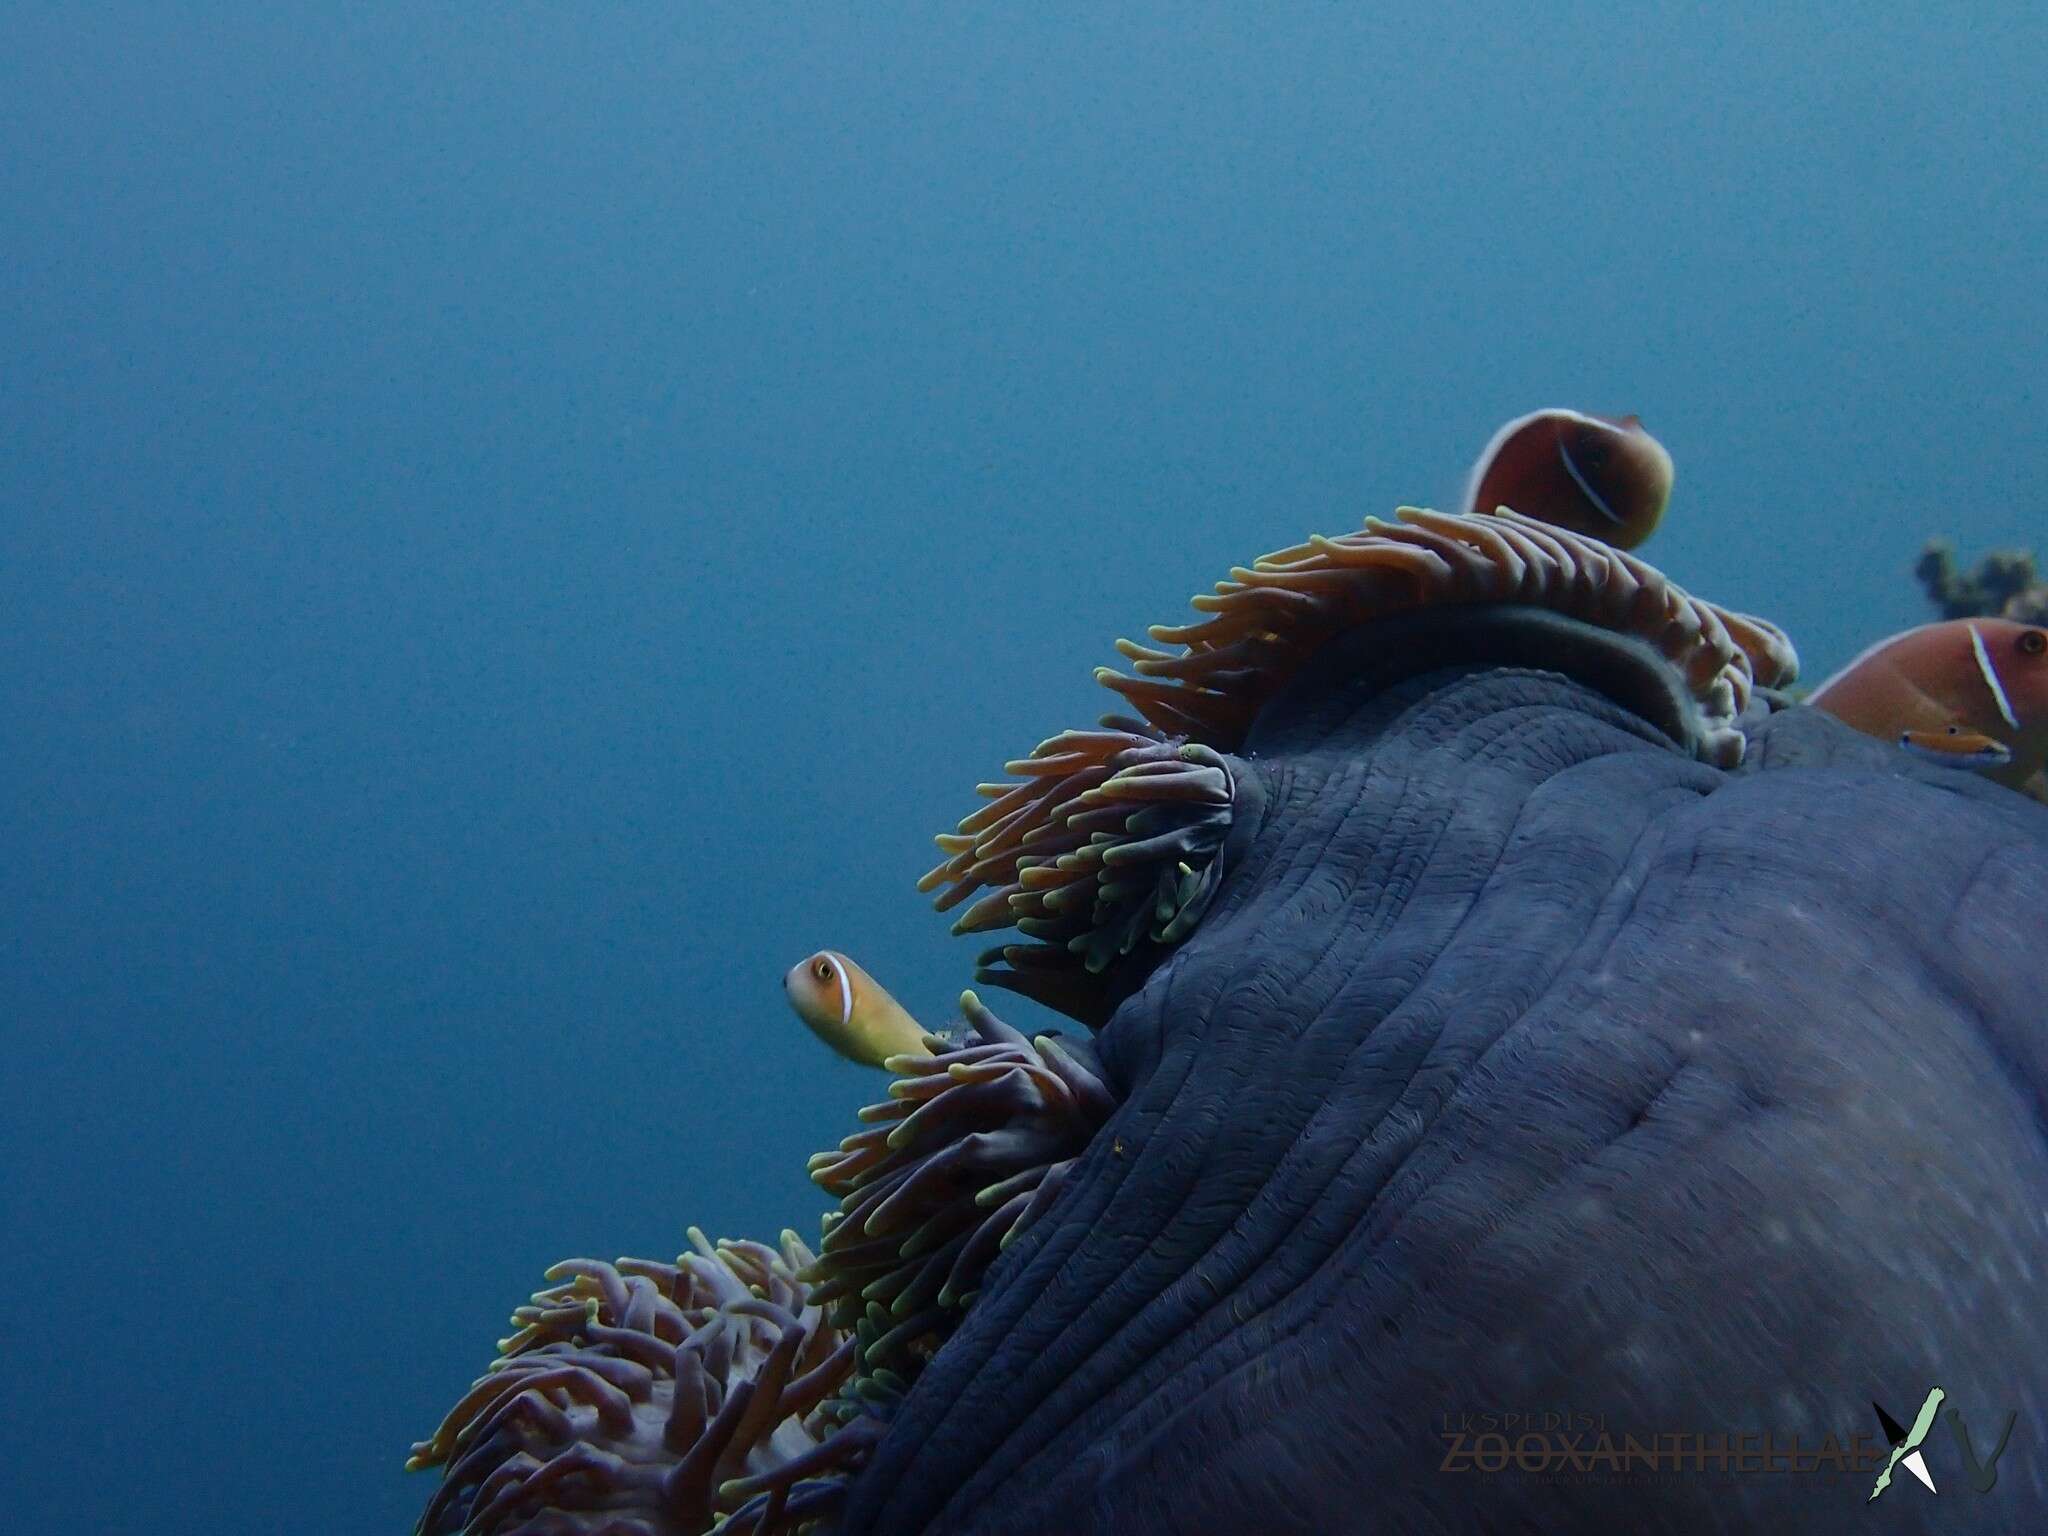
1106, 842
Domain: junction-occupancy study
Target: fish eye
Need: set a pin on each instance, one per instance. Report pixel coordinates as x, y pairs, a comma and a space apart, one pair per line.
822, 968
1592, 448
2033, 642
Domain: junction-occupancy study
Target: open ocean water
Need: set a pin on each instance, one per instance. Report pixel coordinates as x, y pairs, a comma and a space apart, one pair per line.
518, 522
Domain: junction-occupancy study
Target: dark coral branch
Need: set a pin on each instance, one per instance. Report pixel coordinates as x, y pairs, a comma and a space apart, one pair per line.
2005, 584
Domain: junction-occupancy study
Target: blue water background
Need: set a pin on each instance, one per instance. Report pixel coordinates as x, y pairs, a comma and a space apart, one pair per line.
518, 522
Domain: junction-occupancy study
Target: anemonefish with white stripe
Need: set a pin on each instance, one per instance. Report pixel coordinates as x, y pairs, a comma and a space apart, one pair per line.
1947, 684
1603, 476
850, 1011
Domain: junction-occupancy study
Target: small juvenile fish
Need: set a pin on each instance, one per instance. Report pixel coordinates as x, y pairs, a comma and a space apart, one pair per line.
1957, 748
850, 1011
1603, 476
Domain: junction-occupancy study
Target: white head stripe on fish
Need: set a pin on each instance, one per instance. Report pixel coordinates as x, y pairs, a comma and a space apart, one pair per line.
1991, 681
1599, 502
845, 986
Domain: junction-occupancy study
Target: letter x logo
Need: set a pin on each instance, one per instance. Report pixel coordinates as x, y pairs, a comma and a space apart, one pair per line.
1905, 1443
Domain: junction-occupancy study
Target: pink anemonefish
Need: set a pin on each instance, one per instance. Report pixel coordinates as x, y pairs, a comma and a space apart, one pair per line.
1603, 476
1983, 678
850, 1011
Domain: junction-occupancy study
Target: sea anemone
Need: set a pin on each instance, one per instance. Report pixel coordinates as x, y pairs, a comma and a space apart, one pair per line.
973, 1143
649, 1399
737, 1388
1109, 840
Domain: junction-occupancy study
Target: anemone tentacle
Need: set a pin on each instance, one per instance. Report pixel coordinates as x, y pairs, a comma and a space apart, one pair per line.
972, 1145
1113, 842
1267, 619
647, 1399
1106, 841
736, 1389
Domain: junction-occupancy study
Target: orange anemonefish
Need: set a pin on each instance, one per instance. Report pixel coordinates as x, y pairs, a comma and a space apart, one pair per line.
850, 1011
1980, 677
1602, 476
